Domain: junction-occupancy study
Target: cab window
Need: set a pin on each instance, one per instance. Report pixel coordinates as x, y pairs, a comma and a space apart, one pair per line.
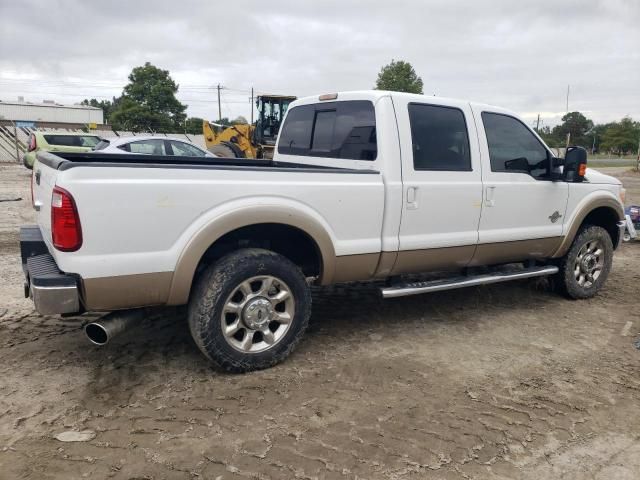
513, 148
344, 130
439, 138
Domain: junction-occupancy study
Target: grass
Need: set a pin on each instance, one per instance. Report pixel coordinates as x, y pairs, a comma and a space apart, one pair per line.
596, 156
623, 162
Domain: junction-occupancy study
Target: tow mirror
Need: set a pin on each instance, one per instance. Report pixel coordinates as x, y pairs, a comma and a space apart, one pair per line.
575, 165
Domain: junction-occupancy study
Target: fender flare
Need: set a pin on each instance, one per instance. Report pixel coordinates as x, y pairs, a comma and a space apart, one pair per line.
245, 216
583, 209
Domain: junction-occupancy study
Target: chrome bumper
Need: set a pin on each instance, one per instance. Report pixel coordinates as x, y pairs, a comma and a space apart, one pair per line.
52, 291
622, 226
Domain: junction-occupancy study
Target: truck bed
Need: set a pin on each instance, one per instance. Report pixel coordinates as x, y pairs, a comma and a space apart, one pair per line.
66, 161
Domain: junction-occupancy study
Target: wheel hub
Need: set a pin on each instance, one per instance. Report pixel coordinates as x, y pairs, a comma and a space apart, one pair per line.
257, 313
588, 263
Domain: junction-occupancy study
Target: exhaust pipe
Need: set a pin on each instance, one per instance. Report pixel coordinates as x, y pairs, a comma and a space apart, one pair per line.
106, 328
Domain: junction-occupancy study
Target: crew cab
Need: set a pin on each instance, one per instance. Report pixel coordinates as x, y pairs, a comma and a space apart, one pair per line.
367, 185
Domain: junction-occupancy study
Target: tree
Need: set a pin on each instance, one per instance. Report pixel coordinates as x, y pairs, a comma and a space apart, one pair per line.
149, 103
621, 137
596, 134
549, 137
193, 125
399, 76
106, 106
576, 124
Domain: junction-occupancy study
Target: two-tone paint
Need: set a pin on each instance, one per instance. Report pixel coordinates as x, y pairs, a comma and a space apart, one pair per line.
146, 227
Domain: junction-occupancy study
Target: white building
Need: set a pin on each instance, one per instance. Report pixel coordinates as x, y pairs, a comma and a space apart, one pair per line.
48, 111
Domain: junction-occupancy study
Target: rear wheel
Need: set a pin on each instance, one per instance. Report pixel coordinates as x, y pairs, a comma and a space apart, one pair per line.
249, 310
586, 266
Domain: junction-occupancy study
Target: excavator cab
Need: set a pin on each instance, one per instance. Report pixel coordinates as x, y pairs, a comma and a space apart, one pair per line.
250, 141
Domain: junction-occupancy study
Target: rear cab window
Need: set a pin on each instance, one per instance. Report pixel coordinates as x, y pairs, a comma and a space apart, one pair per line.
340, 130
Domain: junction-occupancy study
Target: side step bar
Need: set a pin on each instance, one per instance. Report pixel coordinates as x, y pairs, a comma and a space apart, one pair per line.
415, 288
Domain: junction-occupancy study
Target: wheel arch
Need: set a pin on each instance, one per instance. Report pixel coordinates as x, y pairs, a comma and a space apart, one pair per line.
605, 212
253, 220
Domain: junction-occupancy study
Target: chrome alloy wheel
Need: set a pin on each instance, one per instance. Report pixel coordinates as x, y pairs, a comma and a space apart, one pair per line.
589, 263
257, 314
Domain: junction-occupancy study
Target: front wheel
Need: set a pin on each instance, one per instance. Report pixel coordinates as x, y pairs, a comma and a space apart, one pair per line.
586, 266
249, 310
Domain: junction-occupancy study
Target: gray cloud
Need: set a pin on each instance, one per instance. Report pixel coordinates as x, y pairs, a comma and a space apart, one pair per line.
520, 55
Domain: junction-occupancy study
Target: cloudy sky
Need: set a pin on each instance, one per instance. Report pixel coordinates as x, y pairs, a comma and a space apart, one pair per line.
517, 54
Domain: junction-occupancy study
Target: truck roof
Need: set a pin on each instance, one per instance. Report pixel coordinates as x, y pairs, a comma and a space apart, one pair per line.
374, 95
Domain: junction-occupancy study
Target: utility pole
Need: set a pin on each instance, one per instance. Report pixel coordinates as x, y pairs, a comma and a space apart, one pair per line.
568, 133
538, 124
251, 106
219, 106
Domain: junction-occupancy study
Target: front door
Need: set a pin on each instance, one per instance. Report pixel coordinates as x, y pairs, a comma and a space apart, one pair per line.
442, 187
523, 210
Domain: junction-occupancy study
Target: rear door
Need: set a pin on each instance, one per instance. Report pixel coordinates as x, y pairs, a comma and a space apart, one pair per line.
523, 209
442, 186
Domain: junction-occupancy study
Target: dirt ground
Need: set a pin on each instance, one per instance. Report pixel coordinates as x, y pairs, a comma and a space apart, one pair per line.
506, 381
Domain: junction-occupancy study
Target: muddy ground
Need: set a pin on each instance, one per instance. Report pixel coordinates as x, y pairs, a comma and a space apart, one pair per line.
505, 381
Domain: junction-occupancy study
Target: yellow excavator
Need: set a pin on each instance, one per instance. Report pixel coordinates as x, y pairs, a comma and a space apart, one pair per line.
249, 141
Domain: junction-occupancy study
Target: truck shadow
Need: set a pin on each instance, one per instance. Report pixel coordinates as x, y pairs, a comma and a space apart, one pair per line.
341, 311
161, 348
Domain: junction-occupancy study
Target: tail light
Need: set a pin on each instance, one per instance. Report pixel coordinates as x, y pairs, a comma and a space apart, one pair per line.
66, 231
32, 143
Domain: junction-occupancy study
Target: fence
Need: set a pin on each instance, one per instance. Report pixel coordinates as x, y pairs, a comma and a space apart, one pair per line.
14, 139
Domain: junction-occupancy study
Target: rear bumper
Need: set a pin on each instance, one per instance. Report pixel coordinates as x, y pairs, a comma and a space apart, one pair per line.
53, 292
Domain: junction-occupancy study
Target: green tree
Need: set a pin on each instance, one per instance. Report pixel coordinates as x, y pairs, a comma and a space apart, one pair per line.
149, 103
193, 125
596, 134
549, 137
576, 124
106, 106
399, 76
621, 137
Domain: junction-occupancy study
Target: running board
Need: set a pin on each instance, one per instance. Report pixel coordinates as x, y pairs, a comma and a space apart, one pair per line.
415, 288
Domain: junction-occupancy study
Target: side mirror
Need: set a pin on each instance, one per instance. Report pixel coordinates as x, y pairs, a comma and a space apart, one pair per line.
575, 165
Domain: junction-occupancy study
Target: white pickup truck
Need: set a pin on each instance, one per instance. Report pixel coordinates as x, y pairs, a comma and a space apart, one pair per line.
363, 186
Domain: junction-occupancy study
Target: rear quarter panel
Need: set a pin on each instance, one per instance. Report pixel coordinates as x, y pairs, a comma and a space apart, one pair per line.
139, 220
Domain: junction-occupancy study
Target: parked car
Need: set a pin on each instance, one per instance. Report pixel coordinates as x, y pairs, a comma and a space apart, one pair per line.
363, 186
57, 142
151, 145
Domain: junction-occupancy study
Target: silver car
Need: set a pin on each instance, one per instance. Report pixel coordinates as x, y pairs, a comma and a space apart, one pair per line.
150, 145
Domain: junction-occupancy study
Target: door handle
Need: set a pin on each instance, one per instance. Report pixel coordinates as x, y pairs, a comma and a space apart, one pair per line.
412, 198
489, 196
